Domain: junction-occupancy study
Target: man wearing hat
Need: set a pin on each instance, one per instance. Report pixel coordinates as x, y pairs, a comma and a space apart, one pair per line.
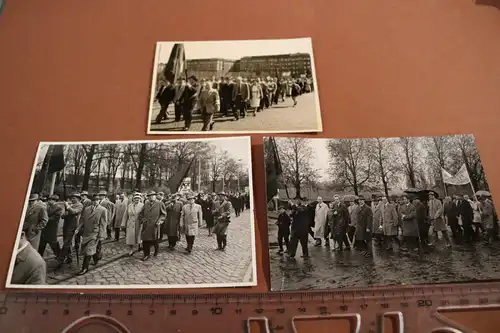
240, 98
110, 207
188, 101
467, 216
35, 220
85, 199
171, 226
409, 224
364, 227
191, 218
488, 217
49, 233
71, 216
436, 218
299, 228
222, 218
92, 229
378, 216
120, 208
151, 217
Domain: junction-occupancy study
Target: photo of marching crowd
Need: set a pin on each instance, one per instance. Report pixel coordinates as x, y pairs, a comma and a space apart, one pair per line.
381, 211
143, 214
234, 86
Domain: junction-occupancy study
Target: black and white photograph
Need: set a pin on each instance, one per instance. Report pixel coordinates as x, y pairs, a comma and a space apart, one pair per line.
238, 86
138, 214
355, 213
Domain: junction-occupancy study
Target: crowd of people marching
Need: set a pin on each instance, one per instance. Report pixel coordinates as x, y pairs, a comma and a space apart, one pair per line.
144, 218
227, 96
404, 224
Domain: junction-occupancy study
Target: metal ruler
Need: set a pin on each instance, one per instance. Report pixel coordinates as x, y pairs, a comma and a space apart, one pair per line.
448, 308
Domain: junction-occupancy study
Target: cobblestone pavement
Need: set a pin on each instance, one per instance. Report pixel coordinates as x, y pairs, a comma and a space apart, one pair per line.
204, 266
281, 117
327, 269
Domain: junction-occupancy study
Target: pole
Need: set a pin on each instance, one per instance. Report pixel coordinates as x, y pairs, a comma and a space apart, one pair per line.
52, 183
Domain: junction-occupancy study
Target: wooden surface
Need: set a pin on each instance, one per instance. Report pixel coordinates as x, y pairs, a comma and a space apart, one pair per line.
81, 70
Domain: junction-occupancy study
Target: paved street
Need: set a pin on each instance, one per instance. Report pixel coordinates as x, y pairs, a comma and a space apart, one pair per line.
327, 269
277, 118
205, 265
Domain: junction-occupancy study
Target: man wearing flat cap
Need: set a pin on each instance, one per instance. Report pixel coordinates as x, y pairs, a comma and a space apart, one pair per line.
222, 218
49, 233
191, 218
92, 229
35, 220
151, 217
110, 207
71, 216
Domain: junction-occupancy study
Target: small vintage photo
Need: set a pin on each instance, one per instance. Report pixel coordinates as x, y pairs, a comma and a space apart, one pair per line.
354, 213
138, 214
238, 86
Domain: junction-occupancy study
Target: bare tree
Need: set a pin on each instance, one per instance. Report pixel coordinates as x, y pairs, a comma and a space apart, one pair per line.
465, 152
385, 159
89, 158
410, 159
217, 161
351, 161
296, 158
437, 153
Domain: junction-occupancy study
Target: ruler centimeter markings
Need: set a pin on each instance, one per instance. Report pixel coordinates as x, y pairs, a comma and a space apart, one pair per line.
389, 310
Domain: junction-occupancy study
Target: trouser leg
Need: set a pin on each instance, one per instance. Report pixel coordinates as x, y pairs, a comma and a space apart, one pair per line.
146, 248
304, 244
156, 247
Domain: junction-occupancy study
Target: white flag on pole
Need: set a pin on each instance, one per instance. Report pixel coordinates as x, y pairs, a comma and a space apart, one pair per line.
460, 178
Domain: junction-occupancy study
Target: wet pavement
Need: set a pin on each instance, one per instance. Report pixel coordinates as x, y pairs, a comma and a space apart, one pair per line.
326, 269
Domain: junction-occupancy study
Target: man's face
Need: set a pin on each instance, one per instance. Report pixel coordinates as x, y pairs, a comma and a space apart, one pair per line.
102, 197
384, 200
405, 200
336, 199
221, 197
122, 197
74, 200
159, 197
361, 202
191, 201
466, 197
152, 198
136, 200
96, 200
320, 200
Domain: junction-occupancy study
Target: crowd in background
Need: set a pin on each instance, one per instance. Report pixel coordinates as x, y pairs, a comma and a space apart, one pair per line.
236, 96
143, 219
404, 224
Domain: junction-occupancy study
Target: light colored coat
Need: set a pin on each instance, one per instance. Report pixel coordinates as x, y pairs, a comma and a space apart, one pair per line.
30, 268
320, 214
378, 218
209, 101
120, 208
391, 220
436, 215
130, 221
487, 214
110, 207
191, 218
152, 217
223, 218
35, 220
92, 228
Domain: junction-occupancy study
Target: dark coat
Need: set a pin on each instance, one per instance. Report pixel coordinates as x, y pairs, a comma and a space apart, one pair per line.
223, 218
166, 94
420, 211
189, 98
466, 212
54, 213
171, 226
451, 212
301, 220
409, 220
35, 220
338, 219
151, 217
365, 221
284, 222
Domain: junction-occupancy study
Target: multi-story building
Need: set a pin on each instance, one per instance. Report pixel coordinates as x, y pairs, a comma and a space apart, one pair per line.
294, 65
206, 68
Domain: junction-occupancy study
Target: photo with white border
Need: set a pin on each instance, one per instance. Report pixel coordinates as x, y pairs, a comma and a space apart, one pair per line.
234, 86
138, 214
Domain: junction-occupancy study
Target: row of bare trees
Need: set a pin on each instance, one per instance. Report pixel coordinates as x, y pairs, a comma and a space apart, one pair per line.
381, 163
149, 165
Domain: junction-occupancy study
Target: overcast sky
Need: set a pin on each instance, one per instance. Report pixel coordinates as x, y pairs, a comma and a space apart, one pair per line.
237, 49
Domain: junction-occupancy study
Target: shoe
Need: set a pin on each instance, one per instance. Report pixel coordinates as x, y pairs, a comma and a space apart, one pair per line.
82, 272
146, 258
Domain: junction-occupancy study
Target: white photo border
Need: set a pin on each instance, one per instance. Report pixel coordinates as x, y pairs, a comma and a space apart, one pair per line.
166, 132
254, 282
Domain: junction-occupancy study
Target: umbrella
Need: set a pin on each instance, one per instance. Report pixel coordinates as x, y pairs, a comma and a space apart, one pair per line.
483, 193
412, 190
176, 65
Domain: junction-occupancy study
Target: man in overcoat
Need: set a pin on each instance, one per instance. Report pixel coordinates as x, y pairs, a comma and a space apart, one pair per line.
451, 214
488, 217
467, 215
378, 221
29, 268
71, 216
151, 218
92, 229
172, 222
191, 218
165, 96
188, 101
222, 218
240, 98
85, 199
120, 208
409, 225
49, 233
35, 220
363, 229
110, 207
437, 220
300, 228
390, 225
320, 213
339, 221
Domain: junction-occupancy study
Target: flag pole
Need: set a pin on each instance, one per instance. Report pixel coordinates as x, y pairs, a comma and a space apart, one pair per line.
52, 183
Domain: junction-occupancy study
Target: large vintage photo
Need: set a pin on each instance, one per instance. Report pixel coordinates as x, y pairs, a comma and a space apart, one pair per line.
142, 214
246, 86
382, 211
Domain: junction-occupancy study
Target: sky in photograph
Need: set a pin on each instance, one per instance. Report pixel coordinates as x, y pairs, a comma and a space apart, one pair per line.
237, 148
322, 158
237, 49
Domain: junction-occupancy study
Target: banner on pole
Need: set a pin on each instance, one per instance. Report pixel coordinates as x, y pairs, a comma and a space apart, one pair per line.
460, 178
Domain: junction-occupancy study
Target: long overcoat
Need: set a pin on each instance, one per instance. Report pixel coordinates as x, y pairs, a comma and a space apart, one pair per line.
365, 221
339, 219
35, 220
92, 228
436, 215
191, 217
320, 213
409, 220
54, 212
120, 208
152, 217
130, 221
378, 219
391, 220
171, 226
110, 207
487, 214
223, 218
71, 219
